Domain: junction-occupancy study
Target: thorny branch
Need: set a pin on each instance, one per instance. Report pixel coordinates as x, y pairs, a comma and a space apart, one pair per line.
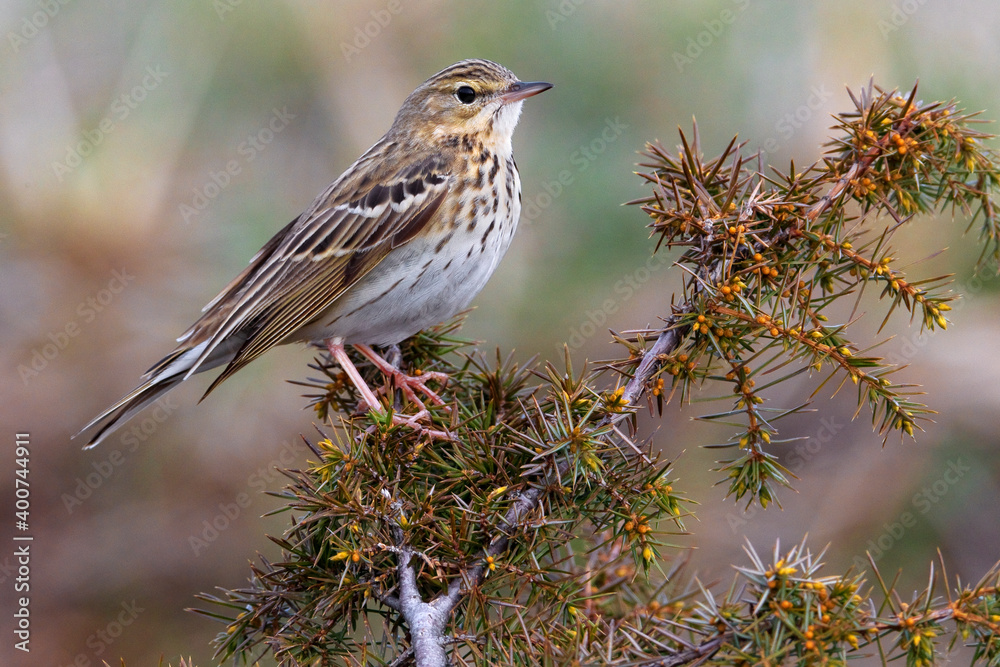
483, 533
529, 500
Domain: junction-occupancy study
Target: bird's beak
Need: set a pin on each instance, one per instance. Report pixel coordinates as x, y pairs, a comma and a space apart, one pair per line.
524, 89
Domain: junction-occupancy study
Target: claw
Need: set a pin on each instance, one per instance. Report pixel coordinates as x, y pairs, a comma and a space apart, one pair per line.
409, 384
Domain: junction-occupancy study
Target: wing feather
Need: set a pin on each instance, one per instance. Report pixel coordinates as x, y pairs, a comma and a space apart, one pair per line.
320, 255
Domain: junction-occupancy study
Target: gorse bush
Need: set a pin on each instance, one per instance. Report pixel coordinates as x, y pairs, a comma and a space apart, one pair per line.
541, 529
767, 255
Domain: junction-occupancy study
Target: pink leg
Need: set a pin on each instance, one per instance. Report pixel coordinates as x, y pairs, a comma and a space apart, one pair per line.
407, 383
340, 356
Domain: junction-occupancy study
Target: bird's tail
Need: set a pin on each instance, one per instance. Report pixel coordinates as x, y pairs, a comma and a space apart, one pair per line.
158, 380
126, 407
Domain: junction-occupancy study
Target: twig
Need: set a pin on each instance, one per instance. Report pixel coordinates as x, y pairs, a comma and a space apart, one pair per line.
402, 658
668, 340
699, 653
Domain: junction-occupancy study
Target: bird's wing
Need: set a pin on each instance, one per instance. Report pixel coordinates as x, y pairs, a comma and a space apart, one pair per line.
347, 231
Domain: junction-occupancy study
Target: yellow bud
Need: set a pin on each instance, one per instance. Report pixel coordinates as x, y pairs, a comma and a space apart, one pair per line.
339, 556
647, 553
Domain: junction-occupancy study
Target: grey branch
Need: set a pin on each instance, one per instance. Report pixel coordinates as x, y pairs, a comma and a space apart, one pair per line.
668, 340
425, 620
696, 654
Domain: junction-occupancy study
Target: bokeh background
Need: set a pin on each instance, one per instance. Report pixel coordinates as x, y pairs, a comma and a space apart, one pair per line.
119, 220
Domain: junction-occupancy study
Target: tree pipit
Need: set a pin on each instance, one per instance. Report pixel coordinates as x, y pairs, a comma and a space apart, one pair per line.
403, 240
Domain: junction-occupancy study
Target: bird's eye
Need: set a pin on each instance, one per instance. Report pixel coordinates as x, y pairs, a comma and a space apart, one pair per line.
465, 94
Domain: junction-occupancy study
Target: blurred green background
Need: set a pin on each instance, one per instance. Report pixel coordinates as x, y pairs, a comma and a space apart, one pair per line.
115, 116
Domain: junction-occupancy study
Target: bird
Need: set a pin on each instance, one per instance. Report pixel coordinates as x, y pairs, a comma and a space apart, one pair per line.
404, 239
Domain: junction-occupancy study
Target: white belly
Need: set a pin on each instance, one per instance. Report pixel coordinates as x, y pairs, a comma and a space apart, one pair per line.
415, 287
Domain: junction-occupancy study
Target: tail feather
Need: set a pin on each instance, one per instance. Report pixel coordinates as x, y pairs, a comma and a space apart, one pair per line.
119, 413
158, 380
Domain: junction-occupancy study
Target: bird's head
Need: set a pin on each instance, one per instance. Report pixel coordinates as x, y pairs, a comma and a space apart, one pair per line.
472, 98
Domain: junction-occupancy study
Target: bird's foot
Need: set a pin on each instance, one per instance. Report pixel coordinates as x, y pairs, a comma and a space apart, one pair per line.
410, 385
400, 379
